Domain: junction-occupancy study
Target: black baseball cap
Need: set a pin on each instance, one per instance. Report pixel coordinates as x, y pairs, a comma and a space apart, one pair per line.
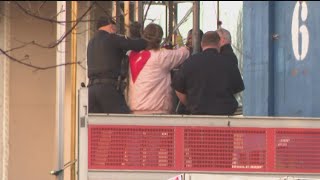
104, 21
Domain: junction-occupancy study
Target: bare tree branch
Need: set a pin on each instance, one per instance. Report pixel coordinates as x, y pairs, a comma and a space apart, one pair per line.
18, 47
104, 10
36, 14
82, 66
86, 30
26, 11
30, 6
28, 64
51, 20
58, 65
67, 33
42, 4
108, 13
56, 15
32, 66
53, 45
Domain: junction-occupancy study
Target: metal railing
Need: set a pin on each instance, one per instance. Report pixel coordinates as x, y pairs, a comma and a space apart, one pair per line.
161, 146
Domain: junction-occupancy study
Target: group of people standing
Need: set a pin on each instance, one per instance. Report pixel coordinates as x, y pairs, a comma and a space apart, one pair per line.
205, 82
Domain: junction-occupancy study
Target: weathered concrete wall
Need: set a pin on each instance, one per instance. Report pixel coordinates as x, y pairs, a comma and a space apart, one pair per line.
4, 96
32, 96
33, 149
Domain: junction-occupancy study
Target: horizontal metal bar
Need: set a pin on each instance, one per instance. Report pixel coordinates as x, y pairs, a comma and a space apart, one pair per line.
149, 173
210, 121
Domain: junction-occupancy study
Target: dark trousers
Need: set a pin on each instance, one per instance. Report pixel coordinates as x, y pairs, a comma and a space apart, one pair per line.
104, 98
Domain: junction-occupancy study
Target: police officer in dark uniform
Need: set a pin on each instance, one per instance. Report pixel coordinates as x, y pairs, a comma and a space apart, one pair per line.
207, 81
180, 108
104, 55
225, 43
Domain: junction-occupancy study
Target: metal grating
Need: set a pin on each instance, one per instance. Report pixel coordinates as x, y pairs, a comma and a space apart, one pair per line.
297, 150
224, 149
203, 148
130, 147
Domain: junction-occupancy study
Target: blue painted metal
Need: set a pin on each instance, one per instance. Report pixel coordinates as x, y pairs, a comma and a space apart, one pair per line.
276, 82
256, 67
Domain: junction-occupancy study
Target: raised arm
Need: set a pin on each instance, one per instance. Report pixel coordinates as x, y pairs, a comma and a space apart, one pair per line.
126, 43
173, 58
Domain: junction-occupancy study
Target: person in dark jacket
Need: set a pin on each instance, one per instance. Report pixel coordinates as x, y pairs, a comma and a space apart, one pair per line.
104, 55
225, 44
189, 40
207, 81
226, 49
180, 108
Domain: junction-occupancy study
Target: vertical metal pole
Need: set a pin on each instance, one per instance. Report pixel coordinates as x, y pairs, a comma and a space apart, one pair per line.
82, 165
166, 32
74, 14
127, 16
170, 24
138, 11
195, 31
83, 134
60, 84
218, 15
175, 19
116, 13
4, 92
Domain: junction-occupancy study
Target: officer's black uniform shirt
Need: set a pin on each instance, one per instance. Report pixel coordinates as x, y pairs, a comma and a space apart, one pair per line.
209, 81
105, 52
227, 50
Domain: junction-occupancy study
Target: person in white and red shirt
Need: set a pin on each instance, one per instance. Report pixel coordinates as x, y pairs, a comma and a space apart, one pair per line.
149, 78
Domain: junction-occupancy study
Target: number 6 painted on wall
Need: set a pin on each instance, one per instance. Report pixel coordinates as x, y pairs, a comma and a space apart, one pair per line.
296, 29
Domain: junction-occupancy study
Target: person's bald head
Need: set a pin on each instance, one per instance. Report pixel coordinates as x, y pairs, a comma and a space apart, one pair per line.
210, 39
225, 36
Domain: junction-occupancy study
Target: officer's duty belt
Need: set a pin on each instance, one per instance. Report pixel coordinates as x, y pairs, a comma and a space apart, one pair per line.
102, 81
